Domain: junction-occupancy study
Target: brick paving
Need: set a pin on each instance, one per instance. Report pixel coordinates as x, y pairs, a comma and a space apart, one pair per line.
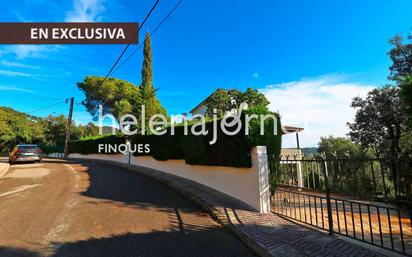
267, 234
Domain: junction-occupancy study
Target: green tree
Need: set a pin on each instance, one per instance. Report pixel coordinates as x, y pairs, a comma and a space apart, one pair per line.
255, 99
338, 146
405, 92
221, 101
90, 130
55, 130
401, 71
401, 56
225, 100
117, 97
147, 89
18, 128
21, 128
379, 121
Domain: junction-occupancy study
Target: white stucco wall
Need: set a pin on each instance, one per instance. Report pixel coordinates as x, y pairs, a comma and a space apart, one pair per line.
250, 185
200, 110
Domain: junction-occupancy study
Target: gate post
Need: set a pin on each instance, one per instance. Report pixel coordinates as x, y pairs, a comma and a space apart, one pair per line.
327, 191
260, 164
298, 160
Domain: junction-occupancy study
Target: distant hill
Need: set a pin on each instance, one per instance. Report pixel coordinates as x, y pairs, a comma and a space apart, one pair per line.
309, 150
108, 130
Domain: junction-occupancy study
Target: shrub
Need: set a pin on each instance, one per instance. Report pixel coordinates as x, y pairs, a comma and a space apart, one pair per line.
47, 149
91, 145
195, 149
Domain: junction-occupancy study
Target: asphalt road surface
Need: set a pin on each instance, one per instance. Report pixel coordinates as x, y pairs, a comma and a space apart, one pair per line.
88, 209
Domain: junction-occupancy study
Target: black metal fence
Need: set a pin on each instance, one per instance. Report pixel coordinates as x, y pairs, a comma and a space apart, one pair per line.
371, 179
384, 226
356, 198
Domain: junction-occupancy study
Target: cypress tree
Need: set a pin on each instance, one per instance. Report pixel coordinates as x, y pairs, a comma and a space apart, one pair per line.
147, 90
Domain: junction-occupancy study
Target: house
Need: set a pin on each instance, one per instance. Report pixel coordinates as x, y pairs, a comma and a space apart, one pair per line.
200, 108
286, 153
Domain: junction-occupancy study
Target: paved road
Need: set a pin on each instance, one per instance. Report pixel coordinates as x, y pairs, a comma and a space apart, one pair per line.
90, 209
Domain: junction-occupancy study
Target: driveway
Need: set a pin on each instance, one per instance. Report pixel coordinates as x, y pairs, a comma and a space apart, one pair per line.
59, 208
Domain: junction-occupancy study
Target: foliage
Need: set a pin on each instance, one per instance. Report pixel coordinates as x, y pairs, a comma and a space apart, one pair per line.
401, 71
255, 99
272, 137
226, 100
401, 56
147, 90
55, 130
406, 143
405, 93
117, 97
338, 146
195, 149
91, 145
227, 151
88, 130
17, 128
20, 128
379, 121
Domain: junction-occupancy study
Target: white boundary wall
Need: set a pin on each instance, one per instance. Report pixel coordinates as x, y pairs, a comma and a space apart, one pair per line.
250, 185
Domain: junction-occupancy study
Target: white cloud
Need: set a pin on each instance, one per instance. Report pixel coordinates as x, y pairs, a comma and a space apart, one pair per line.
10, 73
17, 89
32, 51
20, 17
17, 65
321, 105
85, 11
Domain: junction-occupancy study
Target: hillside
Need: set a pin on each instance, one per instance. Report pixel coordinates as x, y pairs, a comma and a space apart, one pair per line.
17, 127
309, 150
21, 128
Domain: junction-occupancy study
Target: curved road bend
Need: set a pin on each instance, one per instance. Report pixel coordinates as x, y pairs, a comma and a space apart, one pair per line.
89, 209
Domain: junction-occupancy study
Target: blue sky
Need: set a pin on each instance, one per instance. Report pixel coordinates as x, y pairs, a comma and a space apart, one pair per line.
309, 57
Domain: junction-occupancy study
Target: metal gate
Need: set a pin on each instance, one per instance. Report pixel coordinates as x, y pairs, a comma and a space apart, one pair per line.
302, 190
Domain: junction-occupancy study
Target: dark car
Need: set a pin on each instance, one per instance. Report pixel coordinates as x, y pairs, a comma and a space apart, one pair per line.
26, 153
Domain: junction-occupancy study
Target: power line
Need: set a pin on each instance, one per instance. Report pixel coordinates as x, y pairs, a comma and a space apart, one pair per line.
128, 45
152, 33
46, 107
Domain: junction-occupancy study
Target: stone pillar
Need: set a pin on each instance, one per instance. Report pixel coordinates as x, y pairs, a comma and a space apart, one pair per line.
261, 165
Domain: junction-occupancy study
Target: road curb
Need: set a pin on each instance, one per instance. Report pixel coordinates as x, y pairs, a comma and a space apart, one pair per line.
4, 168
216, 214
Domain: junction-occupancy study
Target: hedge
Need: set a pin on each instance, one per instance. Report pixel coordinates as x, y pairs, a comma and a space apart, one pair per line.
52, 149
91, 145
227, 151
232, 151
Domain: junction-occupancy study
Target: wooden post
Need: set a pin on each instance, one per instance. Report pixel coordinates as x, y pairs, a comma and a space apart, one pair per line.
69, 124
297, 140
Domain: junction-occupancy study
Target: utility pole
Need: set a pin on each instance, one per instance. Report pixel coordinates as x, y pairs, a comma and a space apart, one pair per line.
69, 125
